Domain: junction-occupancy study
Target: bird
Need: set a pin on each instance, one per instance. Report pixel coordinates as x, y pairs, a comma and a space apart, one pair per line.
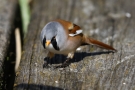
64, 37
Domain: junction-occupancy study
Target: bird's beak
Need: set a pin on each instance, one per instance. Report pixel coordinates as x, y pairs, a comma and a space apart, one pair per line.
47, 42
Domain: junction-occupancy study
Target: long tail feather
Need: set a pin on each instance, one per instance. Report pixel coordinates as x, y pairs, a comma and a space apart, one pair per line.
98, 43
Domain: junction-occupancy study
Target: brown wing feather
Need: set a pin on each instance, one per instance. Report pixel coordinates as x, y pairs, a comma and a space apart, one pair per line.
67, 25
75, 28
72, 28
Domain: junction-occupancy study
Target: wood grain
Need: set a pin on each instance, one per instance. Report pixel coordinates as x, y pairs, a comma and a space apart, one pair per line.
92, 68
7, 13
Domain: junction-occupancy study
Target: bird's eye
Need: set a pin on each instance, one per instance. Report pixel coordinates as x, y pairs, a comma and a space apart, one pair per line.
53, 39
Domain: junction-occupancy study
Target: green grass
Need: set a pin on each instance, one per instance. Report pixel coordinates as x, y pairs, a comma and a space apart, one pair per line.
25, 15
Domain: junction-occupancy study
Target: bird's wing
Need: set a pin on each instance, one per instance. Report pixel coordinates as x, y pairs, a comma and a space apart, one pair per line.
71, 28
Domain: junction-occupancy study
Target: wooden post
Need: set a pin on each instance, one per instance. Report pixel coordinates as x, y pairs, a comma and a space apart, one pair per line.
7, 13
111, 21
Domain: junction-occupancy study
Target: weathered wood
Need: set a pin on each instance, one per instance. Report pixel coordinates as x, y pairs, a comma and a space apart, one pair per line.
110, 21
7, 11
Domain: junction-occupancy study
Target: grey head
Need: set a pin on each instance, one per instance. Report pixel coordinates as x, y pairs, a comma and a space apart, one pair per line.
54, 32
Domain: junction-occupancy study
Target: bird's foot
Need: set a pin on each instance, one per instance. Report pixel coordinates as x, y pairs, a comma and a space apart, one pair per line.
45, 64
65, 64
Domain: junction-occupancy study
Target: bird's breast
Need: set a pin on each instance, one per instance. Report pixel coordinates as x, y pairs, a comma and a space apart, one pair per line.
52, 49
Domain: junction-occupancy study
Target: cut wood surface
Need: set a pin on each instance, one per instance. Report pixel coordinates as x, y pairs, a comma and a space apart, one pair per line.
7, 12
92, 68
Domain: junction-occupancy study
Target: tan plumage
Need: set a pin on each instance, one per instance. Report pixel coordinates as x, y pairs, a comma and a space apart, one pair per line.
85, 40
73, 36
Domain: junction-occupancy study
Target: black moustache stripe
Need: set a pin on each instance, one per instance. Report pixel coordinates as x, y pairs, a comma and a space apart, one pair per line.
44, 40
54, 43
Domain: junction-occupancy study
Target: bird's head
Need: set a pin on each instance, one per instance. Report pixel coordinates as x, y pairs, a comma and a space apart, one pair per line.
52, 33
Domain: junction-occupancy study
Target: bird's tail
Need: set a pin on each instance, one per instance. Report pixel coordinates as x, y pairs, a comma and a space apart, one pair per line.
97, 43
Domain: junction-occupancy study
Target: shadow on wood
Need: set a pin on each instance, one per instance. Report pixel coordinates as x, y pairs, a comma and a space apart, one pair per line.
36, 87
57, 59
